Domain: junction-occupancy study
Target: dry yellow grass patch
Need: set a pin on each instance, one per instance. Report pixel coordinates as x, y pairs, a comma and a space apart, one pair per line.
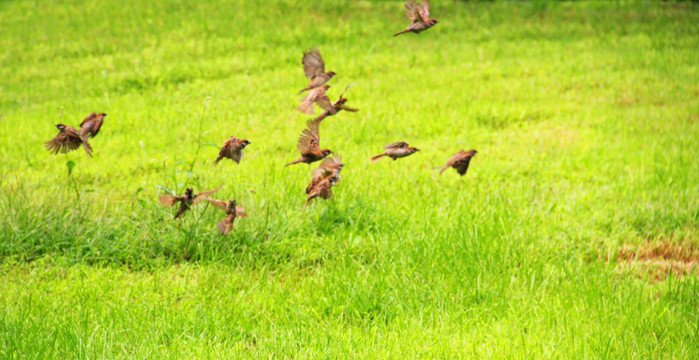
660, 258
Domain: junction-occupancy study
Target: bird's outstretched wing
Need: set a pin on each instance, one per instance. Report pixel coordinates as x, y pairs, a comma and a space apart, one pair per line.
397, 145
313, 63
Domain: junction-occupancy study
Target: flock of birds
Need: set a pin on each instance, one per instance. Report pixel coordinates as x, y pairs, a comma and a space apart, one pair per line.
323, 178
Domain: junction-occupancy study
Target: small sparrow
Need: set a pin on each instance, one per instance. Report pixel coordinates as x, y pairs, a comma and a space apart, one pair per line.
314, 67
69, 138
398, 149
92, 124
323, 178
232, 211
320, 188
331, 166
459, 161
186, 201
318, 96
309, 145
338, 105
419, 16
232, 149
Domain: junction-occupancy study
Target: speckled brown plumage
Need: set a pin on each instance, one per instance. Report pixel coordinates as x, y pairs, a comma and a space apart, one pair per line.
459, 161
309, 145
186, 201
396, 150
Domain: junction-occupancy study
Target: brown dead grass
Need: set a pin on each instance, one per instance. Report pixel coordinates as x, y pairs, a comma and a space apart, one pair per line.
659, 258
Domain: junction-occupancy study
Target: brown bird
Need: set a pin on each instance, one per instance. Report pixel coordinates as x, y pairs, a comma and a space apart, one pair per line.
459, 161
69, 138
232, 211
232, 149
309, 145
92, 124
398, 149
318, 96
329, 166
338, 105
186, 201
314, 67
419, 16
323, 178
321, 187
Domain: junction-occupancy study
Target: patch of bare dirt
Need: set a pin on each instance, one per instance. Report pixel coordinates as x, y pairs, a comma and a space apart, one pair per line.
660, 258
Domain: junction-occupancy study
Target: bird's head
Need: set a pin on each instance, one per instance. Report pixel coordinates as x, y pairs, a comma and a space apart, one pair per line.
471, 153
330, 74
244, 143
326, 152
433, 22
414, 149
61, 127
231, 206
101, 116
189, 192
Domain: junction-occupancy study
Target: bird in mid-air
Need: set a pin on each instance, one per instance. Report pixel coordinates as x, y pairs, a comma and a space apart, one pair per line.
330, 166
398, 149
232, 149
323, 179
318, 96
186, 201
419, 16
338, 105
70, 138
314, 68
232, 211
459, 161
309, 145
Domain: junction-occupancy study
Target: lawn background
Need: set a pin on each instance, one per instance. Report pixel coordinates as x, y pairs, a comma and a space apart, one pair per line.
585, 116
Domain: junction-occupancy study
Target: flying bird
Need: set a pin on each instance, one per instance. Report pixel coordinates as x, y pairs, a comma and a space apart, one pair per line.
398, 149
309, 145
70, 138
321, 187
459, 161
318, 96
338, 105
314, 67
323, 178
232, 212
419, 16
232, 149
186, 201
92, 123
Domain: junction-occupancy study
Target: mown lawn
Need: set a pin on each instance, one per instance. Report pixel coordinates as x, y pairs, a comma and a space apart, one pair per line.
556, 244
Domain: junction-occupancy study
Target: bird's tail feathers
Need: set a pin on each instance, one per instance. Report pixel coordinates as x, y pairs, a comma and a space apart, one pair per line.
224, 226
377, 157
401, 32
87, 147
306, 107
293, 162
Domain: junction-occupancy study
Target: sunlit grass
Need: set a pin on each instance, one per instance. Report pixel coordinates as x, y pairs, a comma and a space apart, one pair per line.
584, 116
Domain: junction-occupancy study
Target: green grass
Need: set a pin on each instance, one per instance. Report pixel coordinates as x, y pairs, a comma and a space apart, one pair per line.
585, 116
